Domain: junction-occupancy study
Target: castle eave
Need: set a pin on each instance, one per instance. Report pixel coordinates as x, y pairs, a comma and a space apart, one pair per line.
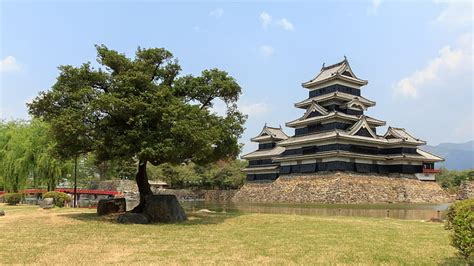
334, 95
307, 121
346, 154
339, 134
264, 153
270, 168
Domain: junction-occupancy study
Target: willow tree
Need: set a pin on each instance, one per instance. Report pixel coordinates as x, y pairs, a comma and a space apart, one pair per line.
27, 156
14, 164
139, 108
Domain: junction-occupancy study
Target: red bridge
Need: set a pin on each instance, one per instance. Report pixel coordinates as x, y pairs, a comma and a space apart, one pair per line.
70, 191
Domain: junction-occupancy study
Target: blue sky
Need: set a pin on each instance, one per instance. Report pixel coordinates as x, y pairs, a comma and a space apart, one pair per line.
417, 56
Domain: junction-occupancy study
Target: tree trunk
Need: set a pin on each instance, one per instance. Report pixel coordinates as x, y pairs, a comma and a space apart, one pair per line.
143, 186
103, 167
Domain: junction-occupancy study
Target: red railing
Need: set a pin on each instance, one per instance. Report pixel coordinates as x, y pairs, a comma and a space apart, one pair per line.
431, 171
88, 191
70, 191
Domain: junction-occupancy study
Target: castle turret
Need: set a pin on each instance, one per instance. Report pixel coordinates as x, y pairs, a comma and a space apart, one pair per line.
261, 166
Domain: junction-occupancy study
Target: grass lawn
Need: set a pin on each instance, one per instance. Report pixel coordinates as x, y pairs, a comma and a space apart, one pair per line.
69, 236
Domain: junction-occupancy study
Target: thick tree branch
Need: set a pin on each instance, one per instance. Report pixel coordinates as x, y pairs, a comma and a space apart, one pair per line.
209, 99
155, 72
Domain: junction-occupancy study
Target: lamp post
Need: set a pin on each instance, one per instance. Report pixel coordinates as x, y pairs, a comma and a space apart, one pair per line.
75, 181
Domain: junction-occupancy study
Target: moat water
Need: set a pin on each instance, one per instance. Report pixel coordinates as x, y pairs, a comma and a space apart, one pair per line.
410, 211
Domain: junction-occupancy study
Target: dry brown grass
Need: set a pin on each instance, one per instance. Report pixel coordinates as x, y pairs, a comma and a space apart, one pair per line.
66, 236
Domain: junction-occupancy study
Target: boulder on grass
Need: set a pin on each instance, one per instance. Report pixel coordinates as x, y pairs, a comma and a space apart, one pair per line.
205, 211
164, 209
47, 203
108, 206
133, 218
2, 213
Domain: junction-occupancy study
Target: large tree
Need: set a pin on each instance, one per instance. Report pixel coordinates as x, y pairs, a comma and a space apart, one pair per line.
27, 156
139, 108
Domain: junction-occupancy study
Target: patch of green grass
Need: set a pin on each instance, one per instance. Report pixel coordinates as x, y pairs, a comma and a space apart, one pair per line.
65, 236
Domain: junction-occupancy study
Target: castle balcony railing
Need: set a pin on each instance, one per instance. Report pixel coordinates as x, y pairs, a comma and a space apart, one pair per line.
431, 171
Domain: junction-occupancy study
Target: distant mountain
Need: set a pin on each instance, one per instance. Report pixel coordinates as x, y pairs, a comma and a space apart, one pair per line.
458, 156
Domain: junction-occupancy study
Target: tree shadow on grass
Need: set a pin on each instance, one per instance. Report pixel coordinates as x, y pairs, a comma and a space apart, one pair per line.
193, 218
456, 261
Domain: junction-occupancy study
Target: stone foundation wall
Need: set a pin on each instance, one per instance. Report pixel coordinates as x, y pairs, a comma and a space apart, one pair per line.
343, 187
466, 190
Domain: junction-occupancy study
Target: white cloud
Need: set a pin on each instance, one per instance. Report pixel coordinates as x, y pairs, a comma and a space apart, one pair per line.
265, 19
450, 60
217, 13
456, 13
285, 24
266, 50
374, 7
255, 109
9, 63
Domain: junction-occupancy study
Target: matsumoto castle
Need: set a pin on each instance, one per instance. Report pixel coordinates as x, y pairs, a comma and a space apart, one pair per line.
334, 134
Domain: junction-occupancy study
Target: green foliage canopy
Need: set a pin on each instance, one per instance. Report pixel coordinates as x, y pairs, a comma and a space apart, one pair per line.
139, 108
460, 219
27, 156
220, 175
452, 179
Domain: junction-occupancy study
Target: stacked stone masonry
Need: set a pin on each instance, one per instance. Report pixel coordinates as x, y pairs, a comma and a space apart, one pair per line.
343, 187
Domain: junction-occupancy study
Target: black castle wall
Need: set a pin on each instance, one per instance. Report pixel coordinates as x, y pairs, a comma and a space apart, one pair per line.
350, 148
266, 146
334, 88
348, 166
321, 128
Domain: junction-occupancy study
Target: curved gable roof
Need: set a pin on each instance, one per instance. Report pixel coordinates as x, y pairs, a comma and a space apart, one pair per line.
341, 70
270, 133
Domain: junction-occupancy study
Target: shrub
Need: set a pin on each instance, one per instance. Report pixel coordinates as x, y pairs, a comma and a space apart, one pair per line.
12, 198
460, 219
59, 198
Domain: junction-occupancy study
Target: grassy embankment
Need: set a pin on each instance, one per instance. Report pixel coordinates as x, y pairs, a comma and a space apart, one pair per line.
68, 236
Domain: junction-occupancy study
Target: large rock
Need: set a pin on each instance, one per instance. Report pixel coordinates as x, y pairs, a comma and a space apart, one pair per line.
164, 209
47, 203
133, 218
108, 206
2, 213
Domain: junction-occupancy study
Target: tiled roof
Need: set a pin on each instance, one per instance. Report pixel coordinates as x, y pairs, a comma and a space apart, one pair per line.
260, 169
305, 121
355, 102
269, 133
264, 153
334, 71
362, 123
429, 156
400, 133
335, 95
314, 138
315, 107
337, 153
